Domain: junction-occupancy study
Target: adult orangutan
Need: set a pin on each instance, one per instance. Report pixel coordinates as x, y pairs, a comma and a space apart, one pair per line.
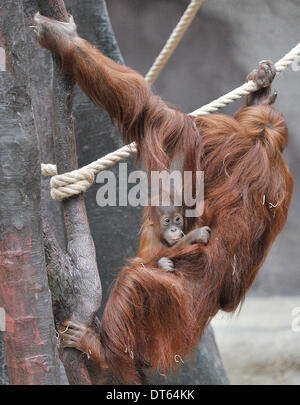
153, 316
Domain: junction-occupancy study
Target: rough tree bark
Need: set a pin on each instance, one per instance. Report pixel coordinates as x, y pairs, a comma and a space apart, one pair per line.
3, 368
29, 337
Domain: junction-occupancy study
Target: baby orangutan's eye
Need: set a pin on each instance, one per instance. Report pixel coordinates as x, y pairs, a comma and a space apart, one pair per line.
167, 221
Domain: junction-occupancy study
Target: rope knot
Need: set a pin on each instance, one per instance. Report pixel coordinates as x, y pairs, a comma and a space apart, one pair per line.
68, 184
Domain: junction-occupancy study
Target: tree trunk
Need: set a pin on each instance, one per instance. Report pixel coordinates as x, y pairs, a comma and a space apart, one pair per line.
73, 276
29, 337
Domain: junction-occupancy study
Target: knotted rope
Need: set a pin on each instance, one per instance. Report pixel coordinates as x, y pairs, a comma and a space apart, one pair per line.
67, 184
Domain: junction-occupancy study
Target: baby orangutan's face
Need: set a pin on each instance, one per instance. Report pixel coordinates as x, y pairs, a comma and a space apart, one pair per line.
171, 224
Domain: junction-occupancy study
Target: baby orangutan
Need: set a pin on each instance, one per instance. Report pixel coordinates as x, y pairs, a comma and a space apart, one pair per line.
164, 227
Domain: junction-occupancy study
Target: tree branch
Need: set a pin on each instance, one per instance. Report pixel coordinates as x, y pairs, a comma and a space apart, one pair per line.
79, 295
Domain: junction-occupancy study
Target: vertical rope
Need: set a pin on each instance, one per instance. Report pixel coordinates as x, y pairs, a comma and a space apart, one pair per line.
173, 40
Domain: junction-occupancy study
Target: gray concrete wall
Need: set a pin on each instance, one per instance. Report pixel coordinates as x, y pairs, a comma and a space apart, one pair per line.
224, 43
261, 344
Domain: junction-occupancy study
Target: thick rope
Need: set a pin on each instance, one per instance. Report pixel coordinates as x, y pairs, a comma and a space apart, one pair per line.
248, 87
67, 184
173, 41
82, 178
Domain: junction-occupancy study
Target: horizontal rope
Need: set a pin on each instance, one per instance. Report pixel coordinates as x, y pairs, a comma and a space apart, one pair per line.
65, 189
248, 87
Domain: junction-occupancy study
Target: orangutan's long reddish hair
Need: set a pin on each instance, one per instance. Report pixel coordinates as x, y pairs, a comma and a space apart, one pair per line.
152, 316
247, 194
